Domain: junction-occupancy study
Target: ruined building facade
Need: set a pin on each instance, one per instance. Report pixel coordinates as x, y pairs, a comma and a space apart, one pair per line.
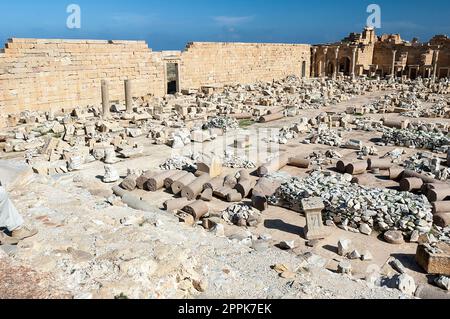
53, 75
388, 55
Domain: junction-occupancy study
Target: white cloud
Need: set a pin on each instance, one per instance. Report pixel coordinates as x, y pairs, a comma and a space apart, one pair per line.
231, 21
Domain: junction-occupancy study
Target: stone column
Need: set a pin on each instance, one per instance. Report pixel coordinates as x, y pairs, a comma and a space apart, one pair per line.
105, 99
325, 52
435, 64
336, 64
129, 95
313, 69
394, 55
353, 73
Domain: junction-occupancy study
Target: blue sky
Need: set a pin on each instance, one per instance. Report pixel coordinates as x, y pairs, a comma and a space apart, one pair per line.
168, 25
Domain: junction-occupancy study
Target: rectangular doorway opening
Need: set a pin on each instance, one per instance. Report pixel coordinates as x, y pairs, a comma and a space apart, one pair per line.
304, 69
173, 85
413, 74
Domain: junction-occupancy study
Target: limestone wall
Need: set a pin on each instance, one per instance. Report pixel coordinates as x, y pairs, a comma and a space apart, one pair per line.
226, 63
55, 74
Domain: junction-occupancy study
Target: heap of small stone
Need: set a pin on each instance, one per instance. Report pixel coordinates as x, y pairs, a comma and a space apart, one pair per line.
354, 207
367, 124
323, 135
240, 214
429, 164
435, 141
319, 159
441, 234
283, 136
368, 151
178, 163
233, 161
395, 155
223, 122
290, 132
439, 109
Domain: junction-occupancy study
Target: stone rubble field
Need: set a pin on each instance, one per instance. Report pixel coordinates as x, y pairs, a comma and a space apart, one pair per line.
185, 198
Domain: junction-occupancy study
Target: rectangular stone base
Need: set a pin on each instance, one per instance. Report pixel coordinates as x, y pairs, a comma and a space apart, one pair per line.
436, 264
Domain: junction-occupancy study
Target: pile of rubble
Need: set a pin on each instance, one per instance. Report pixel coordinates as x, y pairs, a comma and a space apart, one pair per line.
413, 99
412, 138
241, 215
222, 122
440, 109
323, 135
181, 163
291, 132
441, 234
320, 159
357, 208
234, 161
428, 164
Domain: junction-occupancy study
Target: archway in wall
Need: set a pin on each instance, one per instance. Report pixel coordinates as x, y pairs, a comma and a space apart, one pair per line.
304, 69
344, 65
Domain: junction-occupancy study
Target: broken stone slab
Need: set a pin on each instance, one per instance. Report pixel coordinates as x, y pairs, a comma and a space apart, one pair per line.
434, 260
354, 145
344, 247
287, 245
345, 267
213, 167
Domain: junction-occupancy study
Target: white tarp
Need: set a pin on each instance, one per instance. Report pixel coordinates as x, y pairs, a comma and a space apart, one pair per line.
14, 174
9, 216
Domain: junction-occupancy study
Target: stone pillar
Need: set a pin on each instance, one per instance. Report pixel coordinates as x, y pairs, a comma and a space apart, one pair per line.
435, 64
336, 64
353, 73
325, 60
394, 55
315, 228
129, 95
313, 69
105, 99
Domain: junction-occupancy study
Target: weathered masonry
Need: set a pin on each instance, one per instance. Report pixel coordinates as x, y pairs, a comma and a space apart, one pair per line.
46, 75
388, 55
53, 75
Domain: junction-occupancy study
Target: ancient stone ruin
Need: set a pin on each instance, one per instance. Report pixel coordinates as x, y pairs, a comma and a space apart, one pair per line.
228, 169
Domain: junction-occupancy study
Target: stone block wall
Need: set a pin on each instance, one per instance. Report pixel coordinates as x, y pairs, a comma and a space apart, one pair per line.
205, 63
43, 75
